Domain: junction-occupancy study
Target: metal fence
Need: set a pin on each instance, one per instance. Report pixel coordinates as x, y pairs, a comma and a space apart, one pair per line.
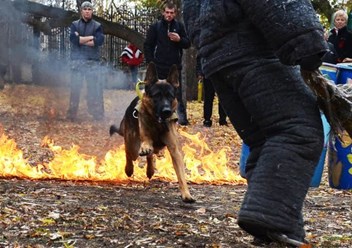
32, 57
38, 58
137, 19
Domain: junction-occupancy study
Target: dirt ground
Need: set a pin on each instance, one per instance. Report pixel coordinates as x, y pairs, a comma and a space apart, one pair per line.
54, 213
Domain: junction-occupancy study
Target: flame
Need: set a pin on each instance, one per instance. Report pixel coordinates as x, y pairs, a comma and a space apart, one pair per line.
202, 164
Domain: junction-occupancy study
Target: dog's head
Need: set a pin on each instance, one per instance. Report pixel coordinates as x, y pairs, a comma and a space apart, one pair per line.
160, 95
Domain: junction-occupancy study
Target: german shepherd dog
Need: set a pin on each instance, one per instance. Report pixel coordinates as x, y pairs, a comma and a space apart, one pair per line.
149, 124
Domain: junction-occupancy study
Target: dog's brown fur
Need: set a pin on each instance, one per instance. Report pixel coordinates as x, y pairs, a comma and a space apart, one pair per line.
151, 127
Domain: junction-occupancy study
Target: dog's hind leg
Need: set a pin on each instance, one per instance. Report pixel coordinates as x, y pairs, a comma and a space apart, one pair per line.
131, 149
150, 166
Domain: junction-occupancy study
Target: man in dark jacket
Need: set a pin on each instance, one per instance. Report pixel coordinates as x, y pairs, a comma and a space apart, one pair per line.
249, 51
164, 44
86, 37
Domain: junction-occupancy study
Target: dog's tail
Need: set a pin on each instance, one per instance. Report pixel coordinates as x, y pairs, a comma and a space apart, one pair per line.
114, 129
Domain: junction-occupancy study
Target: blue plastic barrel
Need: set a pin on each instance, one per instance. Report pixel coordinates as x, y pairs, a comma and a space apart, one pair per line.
315, 182
243, 159
320, 167
340, 162
340, 149
344, 73
329, 71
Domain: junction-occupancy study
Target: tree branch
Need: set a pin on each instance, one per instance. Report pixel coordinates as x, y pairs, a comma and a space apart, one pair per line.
57, 17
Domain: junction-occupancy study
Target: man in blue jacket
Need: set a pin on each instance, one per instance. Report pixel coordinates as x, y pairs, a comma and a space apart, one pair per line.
86, 37
250, 51
164, 45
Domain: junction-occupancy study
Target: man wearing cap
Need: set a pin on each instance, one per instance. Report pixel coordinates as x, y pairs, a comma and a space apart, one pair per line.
86, 36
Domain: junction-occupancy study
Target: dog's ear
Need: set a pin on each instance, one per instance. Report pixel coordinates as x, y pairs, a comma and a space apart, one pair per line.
151, 75
172, 78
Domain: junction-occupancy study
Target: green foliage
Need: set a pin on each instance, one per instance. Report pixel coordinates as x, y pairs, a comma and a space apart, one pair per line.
155, 4
325, 22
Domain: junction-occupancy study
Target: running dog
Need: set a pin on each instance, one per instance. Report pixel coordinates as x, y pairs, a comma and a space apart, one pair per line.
149, 124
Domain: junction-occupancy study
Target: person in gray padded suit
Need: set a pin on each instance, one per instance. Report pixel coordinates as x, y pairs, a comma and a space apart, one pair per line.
253, 51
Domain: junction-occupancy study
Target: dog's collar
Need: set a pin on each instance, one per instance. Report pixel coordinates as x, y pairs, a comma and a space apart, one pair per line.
139, 91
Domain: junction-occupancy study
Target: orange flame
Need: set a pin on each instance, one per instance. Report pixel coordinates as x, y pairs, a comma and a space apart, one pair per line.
202, 164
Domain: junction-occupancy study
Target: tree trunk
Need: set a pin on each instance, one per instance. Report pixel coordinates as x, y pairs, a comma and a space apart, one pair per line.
189, 66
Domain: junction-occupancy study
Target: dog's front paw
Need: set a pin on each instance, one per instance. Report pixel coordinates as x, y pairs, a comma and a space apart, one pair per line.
188, 199
145, 149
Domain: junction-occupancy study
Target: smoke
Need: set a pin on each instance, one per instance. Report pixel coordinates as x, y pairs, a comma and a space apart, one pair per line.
8, 17
25, 56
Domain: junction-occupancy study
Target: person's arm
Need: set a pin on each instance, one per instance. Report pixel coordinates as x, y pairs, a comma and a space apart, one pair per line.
74, 37
125, 59
98, 39
346, 60
184, 41
150, 43
191, 12
290, 27
140, 58
91, 40
86, 40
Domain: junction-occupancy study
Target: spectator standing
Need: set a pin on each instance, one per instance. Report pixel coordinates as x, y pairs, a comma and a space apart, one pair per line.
341, 38
249, 50
164, 46
209, 95
86, 37
132, 57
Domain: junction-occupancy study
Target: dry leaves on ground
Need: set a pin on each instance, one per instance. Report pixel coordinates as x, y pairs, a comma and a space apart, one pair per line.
54, 213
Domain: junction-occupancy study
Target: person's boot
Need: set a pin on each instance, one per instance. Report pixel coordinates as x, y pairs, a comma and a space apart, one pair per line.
268, 212
71, 115
96, 112
223, 122
98, 116
265, 232
207, 123
182, 114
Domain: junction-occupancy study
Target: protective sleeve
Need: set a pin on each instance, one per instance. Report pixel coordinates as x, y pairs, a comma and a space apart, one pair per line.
191, 13
291, 27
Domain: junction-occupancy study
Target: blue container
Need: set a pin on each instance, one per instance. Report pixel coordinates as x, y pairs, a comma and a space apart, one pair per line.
329, 71
315, 182
320, 167
344, 74
243, 159
340, 150
340, 162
